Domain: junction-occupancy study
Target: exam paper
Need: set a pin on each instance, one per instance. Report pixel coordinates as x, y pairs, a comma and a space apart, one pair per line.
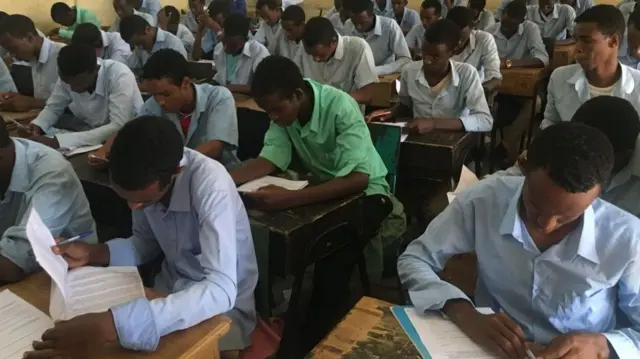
70, 152
467, 179
256, 184
20, 324
95, 290
41, 241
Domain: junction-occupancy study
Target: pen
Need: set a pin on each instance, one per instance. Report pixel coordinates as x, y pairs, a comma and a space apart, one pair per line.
80, 236
530, 354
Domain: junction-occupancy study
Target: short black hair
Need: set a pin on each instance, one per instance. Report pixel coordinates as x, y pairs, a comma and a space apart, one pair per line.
276, 74
461, 16
173, 16
358, 6
607, 18
478, 4
18, 26
576, 157
59, 11
318, 31
615, 117
75, 59
219, 7
516, 9
166, 63
4, 134
145, 150
132, 25
236, 25
293, 13
88, 34
432, 4
3, 15
271, 4
634, 19
443, 31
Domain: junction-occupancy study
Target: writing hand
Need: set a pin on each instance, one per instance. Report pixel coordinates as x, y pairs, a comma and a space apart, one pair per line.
577, 346
76, 254
378, 115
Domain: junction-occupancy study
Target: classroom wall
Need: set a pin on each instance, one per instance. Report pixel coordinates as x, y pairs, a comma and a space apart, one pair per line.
38, 10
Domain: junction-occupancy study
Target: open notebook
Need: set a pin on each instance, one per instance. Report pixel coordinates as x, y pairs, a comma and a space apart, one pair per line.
20, 324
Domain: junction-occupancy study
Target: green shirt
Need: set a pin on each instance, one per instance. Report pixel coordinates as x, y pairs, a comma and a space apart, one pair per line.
334, 143
82, 16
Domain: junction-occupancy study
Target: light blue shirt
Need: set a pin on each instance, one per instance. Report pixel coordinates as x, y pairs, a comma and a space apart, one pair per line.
555, 25
6, 81
187, 38
623, 189
44, 70
151, 7
415, 38
526, 43
115, 27
252, 54
576, 285
115, 101
481, 52
114, 47
189, 20
266, 33
582, 5
214, 118
387, 11
389, 48
461, 97
410, 18
504, 3
630, 61
210, 265
44, 180
454, 3
569, 89
164, 40
209, 41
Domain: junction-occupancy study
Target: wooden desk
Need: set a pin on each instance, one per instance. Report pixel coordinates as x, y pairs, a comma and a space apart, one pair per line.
523, 82
246, 102
88, 173
199, 342
369, 331
21, 117
564, 54
385, 91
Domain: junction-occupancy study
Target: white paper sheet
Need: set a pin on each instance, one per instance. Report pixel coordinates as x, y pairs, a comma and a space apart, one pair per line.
41, 241
70, 152
443, 339
256, 184
467, 179
20, 324
96, 289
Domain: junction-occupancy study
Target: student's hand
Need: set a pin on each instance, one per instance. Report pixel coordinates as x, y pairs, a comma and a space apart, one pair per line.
378, 115
99, 157
205, 20
47, 141
76, 254
272, 197
421, 125
17, 103
77, 337
577, 346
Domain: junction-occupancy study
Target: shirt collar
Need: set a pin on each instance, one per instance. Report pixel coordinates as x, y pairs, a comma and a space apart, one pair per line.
339, 53
201, 99
455, 77
20, 174
181, 192
579, 80
246, 50
377, 28
499, 33
44, 50
160, 36
554, 13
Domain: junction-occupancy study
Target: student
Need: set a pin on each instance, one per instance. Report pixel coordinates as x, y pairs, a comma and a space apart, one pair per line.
240, 6
631, 57
482, 17
405, 17
287, 41
169, 20
337, 5
33, 176
477, 48
597, 72
19, 36
579, 6
237, 57
344, 62
108, 45
205, 115
270, 12
150, 7
390, 51
210, 264
438, 93
190, 19
504, 3
450, 4
430, 12
102, 95
382, 8
70, 18
325, 128
6, 81
210, 30
554, 20
339, 19
555, 263
146, 39
125, 8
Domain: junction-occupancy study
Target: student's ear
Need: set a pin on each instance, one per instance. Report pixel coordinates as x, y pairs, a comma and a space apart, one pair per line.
186, 82
614, 40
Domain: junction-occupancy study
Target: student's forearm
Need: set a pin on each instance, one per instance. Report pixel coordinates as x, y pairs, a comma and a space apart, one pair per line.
492, 85
252, 169
448, 124
212, 149
242, 89
527, 63
99, 255
354, 182
9, 271
364, 95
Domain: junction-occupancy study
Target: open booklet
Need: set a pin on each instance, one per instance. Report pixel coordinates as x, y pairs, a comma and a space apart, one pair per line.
82, 290
20, 325
256, 184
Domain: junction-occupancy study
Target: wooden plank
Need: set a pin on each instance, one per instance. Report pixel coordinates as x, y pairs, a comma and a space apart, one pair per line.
521, 82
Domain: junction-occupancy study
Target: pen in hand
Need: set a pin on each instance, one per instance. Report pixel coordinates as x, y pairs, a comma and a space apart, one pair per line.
80, 236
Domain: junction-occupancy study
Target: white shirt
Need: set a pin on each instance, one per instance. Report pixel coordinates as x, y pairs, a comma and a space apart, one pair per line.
282, 46
337, 23
351, 67
485, 20
114, 47
390, 50
44, 70
410, 18
164, 40
415, 38
482, 53
504, 4
556, 25
186, 36
252, 54
266, 33
6, 81
454, 3
461, 97
115, 101
526, 43
150, 19
568, 89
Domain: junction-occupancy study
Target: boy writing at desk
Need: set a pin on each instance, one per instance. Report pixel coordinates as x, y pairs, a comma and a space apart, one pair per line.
325, 127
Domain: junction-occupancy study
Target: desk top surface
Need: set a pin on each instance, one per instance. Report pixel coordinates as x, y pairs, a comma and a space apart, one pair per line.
89, 173
370, 330
20, 116
36, 290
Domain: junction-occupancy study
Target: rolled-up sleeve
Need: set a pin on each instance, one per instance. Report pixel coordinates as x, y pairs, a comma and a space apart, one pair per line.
450, 233
277, 147
56, 104
479, 117
141, 323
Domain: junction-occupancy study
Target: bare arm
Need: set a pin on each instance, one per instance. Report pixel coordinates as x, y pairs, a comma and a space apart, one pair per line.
255, 168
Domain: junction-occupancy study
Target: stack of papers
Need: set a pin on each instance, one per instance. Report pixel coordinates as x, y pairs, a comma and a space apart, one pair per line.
256, 184
20, 324
467, 179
